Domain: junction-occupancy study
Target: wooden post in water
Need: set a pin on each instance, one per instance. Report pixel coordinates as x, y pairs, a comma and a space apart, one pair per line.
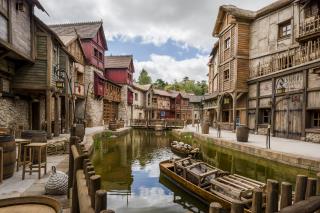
100, 201
88, 169
272, 196
301, 186
215, 208
286, 195
311, 188
95, 185
257, 201
318, 183
237, 208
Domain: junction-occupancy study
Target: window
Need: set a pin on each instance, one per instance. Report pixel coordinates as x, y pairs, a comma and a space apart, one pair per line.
315, 119
285, 29
227, 43
226, 75
265, 115
96, 52
136, 96
100, 56
225, 116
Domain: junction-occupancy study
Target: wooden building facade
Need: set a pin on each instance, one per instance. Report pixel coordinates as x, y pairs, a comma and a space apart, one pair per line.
277, 63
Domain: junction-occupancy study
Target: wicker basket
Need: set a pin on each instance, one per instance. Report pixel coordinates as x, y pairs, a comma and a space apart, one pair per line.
57, 183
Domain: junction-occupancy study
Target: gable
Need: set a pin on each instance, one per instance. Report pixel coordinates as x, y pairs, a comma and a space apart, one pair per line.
76, 51
100, 38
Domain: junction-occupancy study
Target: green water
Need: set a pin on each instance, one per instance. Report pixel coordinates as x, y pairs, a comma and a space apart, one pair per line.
129, 166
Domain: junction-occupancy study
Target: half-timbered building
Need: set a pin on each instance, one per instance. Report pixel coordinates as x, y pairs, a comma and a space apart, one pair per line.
120, 69
94, 45
17, 50
275, 53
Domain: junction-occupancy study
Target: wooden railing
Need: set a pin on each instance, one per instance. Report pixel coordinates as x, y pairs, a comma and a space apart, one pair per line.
84, 185
280, 199
287, 59
166, 123
310, 26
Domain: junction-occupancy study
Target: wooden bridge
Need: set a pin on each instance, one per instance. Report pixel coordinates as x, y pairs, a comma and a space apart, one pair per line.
160, 124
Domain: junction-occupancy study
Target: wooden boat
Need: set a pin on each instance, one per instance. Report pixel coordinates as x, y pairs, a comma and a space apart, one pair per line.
200, 180
180, 150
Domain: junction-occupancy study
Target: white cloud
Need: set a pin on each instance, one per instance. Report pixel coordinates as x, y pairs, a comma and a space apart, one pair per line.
169, 69
188, 22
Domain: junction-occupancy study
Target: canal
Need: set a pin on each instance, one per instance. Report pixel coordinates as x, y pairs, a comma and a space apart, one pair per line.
129, 168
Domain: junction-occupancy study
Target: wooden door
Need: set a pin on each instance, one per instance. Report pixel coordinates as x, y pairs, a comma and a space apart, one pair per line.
35, 107
110, 111
288, 114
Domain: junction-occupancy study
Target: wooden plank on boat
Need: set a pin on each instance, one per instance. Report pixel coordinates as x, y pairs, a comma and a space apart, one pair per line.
222, 180
248, 179
247, 186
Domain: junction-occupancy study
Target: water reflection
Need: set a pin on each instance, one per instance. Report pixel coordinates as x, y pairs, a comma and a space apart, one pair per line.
129, 167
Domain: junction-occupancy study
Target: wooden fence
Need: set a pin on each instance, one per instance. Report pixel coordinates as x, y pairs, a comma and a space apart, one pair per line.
165, 123
84, 185
287, 59
306, 198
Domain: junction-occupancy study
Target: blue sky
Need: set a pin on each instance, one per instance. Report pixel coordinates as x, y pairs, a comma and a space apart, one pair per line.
142, 51
171, 39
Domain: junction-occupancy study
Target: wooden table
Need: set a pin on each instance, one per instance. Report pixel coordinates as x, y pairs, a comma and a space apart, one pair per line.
35, 163
20, 143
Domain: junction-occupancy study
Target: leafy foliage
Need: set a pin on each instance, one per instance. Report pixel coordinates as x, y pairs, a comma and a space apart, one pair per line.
144, 78
189, 86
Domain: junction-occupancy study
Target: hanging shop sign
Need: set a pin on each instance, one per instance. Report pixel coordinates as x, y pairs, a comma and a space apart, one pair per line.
289, 83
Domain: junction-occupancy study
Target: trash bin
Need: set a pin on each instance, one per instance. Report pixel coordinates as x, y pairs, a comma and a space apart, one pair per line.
242, 133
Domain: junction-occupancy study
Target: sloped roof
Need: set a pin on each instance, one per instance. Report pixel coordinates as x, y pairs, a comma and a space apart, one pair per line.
68, 39
86, 30
247, 14
165, 93
120, 61
39, 6
142, 87
195, 98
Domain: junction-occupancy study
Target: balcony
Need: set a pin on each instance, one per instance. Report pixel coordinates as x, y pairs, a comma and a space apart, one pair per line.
310, 28
79, 89
287, 59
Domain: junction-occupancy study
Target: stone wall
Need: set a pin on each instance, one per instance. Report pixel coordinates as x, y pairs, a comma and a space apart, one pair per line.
14, 112
94, 111
124, 109
313, 137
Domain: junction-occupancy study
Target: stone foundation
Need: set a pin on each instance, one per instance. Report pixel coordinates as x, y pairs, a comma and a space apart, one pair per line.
313, 137
14, 113
94, 112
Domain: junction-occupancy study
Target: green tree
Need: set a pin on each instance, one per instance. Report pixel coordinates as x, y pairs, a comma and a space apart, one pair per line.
160, 84
144, 78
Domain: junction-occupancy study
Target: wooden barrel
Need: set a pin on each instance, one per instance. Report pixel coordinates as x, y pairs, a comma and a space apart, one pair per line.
9, 155
35, 135
30, 204
113, 125
242, 133
205, 127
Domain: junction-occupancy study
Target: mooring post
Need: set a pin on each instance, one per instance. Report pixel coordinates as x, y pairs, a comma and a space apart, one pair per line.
95, 185
257, 201
318, 183
286, 195
311, 187
237, 208
272, 196
88, 169
100, 200
215, 208
301, 187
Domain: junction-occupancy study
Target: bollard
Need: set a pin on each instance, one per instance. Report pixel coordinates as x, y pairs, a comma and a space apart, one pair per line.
88, 169
100, 201
286, 195
237, 208
301, 186
257, 201
311, 188
272, 196
215, 208
95, 185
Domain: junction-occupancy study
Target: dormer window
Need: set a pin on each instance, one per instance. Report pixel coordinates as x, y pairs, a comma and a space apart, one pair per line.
285, 29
